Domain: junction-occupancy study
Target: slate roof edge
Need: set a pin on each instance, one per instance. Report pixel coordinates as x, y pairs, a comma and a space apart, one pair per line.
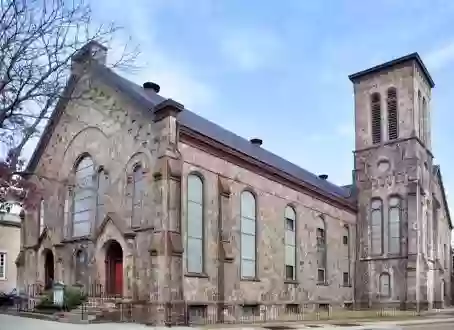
345, 202
62, 103
413, 56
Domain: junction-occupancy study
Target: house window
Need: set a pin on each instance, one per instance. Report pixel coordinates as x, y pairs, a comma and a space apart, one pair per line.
103, 183
138, 189
290, 243
292, 309
195, 225
394, 220
84, 198
346, 279
393, 124
376, 225
2, 266
385, 285
321, 252
197, 314
251, 311
376, 118
248, 235
41, 217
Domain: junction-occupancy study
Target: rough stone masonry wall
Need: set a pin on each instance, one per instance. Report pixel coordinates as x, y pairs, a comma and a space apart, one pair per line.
272, 198
116, 136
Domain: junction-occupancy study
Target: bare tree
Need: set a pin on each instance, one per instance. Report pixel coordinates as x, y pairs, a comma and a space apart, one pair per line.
38, 39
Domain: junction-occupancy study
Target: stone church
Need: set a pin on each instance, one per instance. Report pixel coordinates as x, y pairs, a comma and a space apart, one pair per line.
146, 200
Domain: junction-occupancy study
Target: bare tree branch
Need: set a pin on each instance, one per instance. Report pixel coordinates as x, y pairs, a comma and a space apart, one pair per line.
38, 42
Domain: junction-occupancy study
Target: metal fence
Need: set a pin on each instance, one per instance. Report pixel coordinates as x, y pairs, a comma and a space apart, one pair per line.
103, 306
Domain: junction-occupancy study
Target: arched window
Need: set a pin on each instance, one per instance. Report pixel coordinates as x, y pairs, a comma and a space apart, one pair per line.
80, 266
321, 251
393, 124
248, 235
419, 123
290, 243
41, 217
84, 197
394, 221
376, 117
385, 285
376, 226
195, 225
425, 120
138, 189
103, 183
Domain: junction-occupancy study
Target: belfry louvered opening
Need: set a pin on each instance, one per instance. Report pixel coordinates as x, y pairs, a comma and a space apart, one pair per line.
393, 129
376, 118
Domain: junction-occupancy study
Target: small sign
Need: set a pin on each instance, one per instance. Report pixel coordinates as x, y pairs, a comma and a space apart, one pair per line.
59, 289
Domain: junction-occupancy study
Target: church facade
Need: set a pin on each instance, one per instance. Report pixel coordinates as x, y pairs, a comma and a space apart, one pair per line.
150, 201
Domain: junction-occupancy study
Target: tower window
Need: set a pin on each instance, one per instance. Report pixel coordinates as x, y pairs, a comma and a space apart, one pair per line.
376, 118
393, 131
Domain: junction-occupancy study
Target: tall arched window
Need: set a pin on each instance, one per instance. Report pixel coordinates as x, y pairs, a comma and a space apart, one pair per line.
321, 251
195, 225
376, 117
394, 221
290, 243
248, 235
425, 120
103, 182
376, 226
84, 197
419, 123
138, 189
385, 285
393, 124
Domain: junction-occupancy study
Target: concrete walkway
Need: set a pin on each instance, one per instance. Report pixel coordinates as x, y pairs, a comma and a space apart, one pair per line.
10, 322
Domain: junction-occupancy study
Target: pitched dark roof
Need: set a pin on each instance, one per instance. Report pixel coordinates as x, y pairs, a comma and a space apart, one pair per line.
437, 173
387, 65
147, 99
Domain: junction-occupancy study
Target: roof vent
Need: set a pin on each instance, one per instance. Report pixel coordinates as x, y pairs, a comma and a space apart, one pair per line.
323, 176
151, 85
256, 142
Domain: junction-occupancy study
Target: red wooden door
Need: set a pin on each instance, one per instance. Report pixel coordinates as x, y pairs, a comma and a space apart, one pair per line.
119, 277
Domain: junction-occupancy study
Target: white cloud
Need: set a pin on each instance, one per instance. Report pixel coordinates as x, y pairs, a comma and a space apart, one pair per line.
178, 80
440, 57
249, 49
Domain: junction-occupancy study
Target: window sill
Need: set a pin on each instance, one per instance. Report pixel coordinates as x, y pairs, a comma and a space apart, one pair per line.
250, 279
346, 285
199, 275
76, 239
322, 284
291, 282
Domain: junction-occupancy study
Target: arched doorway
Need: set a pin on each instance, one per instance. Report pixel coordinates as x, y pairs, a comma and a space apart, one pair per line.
48, 269
114, 268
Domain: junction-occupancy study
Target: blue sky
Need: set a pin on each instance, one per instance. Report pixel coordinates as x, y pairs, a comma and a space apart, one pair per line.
279, 71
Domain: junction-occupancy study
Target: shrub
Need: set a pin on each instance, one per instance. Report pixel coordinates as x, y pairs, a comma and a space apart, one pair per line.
73, 297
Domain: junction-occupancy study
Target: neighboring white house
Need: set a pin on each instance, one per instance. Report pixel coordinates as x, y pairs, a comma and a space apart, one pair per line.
10, 231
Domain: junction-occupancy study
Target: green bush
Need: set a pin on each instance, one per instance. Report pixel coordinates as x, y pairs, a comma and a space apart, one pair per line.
72, 298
